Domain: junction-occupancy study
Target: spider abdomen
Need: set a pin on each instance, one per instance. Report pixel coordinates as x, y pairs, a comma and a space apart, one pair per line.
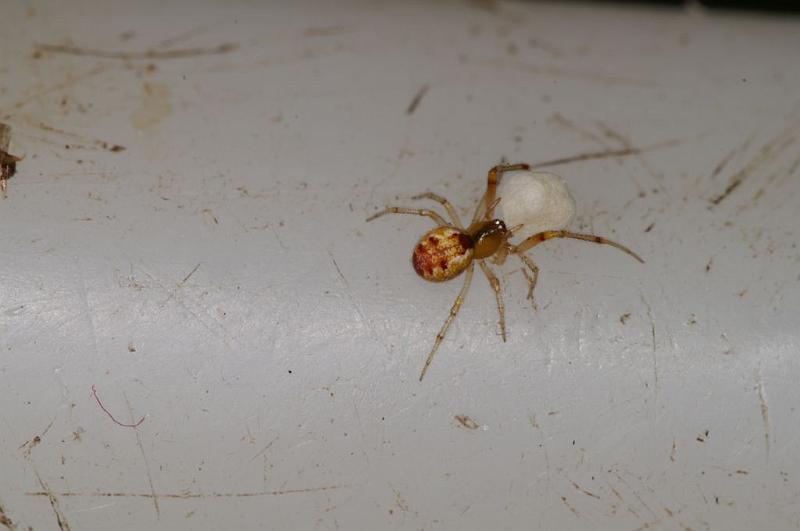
442, 254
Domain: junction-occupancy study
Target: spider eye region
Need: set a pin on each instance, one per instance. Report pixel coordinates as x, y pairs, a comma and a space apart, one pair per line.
442, 253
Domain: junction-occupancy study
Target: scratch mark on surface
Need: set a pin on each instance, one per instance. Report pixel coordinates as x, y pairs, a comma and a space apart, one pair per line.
362, 317
145, 55
96, 142
338, 269
71, 80
267, 447
725, 160
182, 37
95, 508
637, 496
187, 277
5, 520
625, 142
653, 339
107, 412
768, 151
63, 525
184, 495
221, 331
467, 422
560, 120
673, 451
277, 237
361, 431
146, 463
606, 153
762, 399
570, 507
399, 500
34, 442
584, 491
417, 99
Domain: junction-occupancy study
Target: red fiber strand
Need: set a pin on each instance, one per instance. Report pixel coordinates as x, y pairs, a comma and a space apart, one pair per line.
107, 412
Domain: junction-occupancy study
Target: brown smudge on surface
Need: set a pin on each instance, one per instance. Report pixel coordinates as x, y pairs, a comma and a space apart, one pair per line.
415, 101
727, 158
35, 441
30, 445
767, 153
63, 525
69, 81
96, 143
149, 55
467, 422
8, 162
570, 507
5, 521
673, 451
650, 227
604, 154
584, 491
183, 495
709, 264
624, 317
155, 106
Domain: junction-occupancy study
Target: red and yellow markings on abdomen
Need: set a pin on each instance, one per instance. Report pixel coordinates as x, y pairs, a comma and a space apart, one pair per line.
442, 254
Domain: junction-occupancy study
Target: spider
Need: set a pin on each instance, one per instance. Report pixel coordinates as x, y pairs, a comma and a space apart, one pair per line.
450, 249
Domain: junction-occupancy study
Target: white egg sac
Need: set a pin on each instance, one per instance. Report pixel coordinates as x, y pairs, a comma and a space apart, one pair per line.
539, 201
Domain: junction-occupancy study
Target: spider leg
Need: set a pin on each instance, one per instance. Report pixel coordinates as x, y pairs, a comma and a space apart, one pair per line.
453, 312
536, 239
493, 179
532, 277
417, 211
445, 203
492, 278
499, 258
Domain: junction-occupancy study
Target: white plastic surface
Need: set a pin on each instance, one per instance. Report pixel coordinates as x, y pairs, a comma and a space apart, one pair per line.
217, 276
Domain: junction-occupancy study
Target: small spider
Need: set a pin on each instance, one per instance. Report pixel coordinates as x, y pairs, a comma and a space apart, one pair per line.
450, 249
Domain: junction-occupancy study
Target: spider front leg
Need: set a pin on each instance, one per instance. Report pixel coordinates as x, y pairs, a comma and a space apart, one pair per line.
492, 181
536, 239
531, 277
445, 203
416, 211
492, 278
453, 312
